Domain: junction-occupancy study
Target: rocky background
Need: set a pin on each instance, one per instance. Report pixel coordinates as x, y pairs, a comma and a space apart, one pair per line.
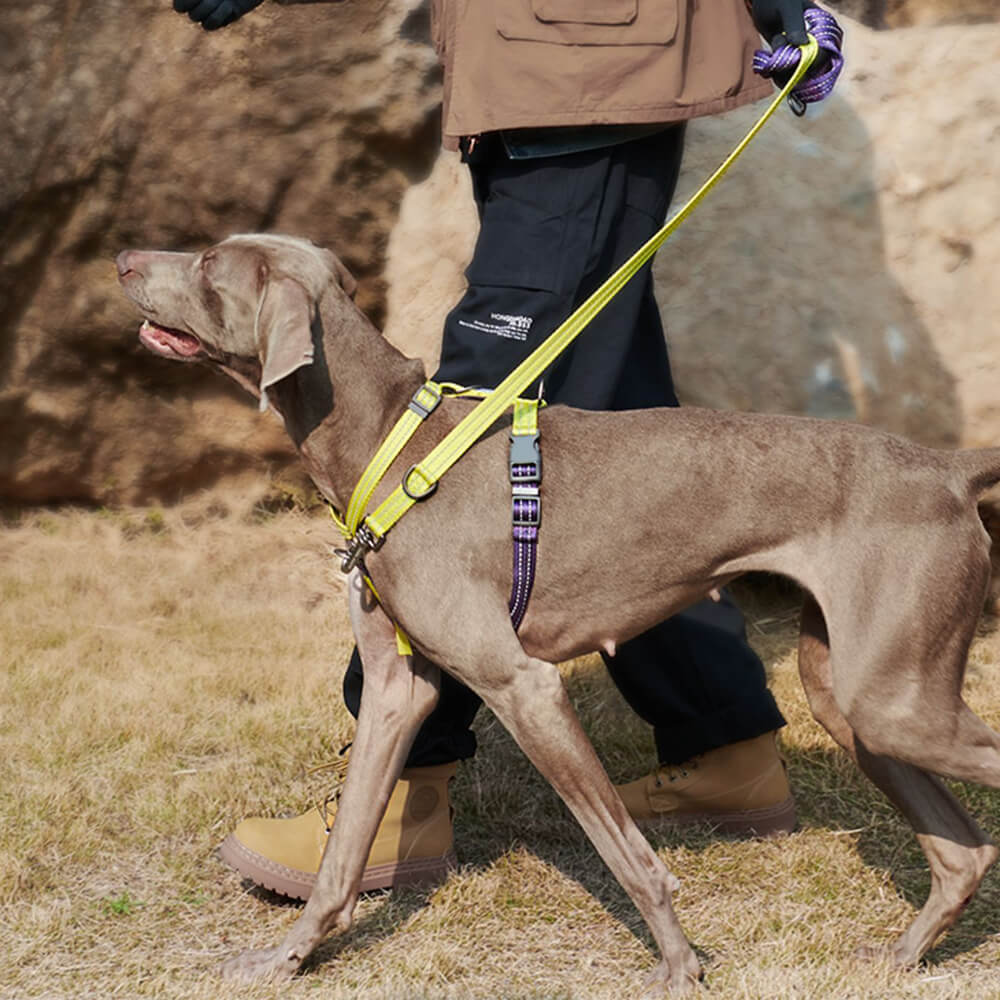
847, 269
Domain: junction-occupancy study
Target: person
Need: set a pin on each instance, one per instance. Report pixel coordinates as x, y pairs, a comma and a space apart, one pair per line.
571, 118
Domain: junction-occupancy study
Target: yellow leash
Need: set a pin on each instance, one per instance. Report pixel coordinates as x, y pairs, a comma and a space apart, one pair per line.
368, 533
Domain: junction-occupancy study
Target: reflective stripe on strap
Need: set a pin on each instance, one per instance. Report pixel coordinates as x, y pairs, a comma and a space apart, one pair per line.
525, 470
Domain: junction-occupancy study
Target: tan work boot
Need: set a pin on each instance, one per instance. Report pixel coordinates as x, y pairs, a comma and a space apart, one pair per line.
413, 845
739, 788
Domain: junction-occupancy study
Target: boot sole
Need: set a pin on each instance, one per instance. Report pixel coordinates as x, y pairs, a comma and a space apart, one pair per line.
297, 884
768, 821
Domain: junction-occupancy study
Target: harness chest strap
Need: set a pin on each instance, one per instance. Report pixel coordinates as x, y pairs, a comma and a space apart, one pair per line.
423, 403
525, 470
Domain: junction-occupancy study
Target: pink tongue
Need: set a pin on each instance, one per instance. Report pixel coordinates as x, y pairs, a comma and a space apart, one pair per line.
176, 340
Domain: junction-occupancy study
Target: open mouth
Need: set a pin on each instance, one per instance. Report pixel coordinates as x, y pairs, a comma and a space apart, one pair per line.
167, 342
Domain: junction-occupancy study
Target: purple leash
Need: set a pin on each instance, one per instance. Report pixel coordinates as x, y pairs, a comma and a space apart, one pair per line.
819, 82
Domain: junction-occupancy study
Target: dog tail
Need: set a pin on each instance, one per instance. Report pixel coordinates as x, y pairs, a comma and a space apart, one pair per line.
982, 466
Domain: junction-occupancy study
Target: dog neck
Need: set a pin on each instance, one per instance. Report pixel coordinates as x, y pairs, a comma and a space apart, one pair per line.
339, 409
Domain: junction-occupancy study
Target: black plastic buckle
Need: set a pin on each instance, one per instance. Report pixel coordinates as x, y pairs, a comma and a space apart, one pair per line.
526, 520
525, 451
421, 409
365, 540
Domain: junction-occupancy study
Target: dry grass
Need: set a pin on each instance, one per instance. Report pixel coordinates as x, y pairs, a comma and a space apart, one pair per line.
167, 674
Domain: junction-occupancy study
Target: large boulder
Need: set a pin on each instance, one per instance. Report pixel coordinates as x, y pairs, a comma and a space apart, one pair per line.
903, 13
899, 13
127, 125
845, 269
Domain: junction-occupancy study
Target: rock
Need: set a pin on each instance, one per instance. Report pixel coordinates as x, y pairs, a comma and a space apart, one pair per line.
130, 126
902, 13
844, 269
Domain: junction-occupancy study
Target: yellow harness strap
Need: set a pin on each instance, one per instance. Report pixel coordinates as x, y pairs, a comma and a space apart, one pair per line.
424, 402
403, 646
525, 417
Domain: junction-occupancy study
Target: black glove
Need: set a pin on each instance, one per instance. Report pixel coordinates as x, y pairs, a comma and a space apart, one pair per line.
781, 22
212, 14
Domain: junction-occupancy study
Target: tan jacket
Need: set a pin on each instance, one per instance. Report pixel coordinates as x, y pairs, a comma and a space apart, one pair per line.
524, 63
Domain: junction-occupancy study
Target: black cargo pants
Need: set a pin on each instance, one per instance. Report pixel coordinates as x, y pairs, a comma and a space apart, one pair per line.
552, 229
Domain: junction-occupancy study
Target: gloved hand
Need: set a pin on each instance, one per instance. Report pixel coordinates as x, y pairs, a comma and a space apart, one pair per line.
212, 14
781, 22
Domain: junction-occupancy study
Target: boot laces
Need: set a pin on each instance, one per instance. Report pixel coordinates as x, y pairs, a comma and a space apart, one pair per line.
673, 772
339, 768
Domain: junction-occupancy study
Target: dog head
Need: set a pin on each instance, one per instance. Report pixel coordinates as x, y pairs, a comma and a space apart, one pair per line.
246, 304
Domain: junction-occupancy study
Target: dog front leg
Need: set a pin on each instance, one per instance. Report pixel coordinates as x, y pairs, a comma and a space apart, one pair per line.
531, 701
399, 693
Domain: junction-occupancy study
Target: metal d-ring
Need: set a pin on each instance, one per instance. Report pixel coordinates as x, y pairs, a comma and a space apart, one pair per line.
417, 497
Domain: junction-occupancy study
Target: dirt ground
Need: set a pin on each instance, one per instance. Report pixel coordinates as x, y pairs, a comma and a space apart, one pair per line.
167, 673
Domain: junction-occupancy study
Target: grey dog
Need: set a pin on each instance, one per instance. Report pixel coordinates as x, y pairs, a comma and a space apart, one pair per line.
645, 513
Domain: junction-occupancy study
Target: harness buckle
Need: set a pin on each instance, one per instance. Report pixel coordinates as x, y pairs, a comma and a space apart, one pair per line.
365, 540
419, 407
525, 464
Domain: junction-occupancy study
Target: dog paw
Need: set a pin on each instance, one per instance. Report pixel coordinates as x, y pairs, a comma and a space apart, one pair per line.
891, 954
661, 984
872, 953
272, 964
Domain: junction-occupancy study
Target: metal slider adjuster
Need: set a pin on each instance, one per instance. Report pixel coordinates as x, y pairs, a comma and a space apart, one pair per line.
417, 497
797, 105
419, 407
364, 541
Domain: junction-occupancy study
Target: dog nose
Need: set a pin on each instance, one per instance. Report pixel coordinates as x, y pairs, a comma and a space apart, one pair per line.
124, 262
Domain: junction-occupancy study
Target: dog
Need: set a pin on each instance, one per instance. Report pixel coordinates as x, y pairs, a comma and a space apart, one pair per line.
883, 536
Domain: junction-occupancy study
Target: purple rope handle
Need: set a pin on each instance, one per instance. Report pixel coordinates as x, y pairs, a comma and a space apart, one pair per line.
818, 83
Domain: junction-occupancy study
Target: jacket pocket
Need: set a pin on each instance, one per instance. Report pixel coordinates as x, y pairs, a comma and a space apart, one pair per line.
586, 11
589, 22
533, 265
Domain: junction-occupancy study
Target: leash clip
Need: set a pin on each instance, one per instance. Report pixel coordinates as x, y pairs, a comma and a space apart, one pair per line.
365, 540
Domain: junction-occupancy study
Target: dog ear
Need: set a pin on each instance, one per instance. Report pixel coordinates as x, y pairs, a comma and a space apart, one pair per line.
347, 280
284, 332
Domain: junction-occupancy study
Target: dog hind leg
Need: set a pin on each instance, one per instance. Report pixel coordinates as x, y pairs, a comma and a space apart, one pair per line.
958, 852
398, 695
898, 679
